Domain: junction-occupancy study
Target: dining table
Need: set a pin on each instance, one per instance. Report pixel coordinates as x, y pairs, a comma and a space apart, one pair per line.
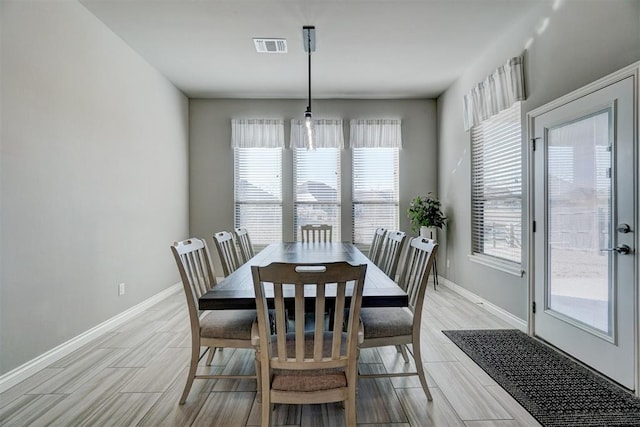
236, 291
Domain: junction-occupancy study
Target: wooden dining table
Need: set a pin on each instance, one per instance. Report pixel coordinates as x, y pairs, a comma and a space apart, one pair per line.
236, 290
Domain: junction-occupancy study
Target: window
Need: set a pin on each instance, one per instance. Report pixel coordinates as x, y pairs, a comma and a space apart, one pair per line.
316, 180
258, 193
496, 187
375, 152
316, 176
257, 150
375, 192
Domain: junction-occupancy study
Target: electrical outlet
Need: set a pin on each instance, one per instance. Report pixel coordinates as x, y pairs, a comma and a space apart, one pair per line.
448, 263
121, 289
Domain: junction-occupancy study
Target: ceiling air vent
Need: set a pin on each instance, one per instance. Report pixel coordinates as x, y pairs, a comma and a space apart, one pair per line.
270, 45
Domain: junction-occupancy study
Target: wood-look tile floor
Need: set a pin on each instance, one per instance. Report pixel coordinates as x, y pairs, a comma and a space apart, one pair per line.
134, 375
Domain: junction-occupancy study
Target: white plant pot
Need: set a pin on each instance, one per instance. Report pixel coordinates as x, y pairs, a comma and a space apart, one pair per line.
428, 232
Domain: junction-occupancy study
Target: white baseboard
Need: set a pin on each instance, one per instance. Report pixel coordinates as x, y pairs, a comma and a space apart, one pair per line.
24, 371
514, 321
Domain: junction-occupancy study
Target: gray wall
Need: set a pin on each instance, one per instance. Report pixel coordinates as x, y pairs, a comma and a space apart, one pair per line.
211, 157
94, 185
581, 42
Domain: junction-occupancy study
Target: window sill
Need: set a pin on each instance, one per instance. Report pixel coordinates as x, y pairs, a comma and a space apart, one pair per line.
505, 266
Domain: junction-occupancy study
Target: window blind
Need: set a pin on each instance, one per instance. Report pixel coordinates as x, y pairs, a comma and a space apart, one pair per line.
258, 193
496, 186
316, 178
375, 192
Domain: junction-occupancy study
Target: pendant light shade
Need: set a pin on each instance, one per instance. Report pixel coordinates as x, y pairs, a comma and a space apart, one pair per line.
309, 130
309, 39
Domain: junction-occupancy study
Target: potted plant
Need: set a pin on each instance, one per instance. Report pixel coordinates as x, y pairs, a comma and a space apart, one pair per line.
425, 215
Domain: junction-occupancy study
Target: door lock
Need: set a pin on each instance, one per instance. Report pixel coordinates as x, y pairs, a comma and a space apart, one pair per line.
622, 249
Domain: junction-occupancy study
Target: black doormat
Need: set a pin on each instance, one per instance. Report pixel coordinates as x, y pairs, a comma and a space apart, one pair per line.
554, 389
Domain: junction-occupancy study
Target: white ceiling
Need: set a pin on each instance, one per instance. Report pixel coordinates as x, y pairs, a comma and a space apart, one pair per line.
364, 49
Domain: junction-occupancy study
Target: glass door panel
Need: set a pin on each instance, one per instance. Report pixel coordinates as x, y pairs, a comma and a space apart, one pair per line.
579, 220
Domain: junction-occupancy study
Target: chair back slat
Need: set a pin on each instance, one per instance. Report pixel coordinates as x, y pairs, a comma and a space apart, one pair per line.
299, 325
419, 262
339, 313
320, 308
244, 244
394, 243
316, 233
377, 244
226, 246
414, 272
281, 321
192, 273
197, 265
326, 345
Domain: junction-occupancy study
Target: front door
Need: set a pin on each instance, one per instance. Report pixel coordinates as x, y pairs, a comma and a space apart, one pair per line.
584, 198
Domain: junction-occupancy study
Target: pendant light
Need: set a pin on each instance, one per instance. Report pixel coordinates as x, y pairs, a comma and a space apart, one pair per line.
309, 39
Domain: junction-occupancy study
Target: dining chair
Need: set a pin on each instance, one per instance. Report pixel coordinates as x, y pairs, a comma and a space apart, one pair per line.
400, 326
318, 365
391, 251
212, 329
244, 243
313, 233
377, 244
226, 246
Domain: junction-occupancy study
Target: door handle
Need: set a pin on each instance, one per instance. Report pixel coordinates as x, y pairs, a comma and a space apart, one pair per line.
622, 249
624, 228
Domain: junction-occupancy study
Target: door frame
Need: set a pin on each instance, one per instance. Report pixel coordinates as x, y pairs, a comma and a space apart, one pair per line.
632, 70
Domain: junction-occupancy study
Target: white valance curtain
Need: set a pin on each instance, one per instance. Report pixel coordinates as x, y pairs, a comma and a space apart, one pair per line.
257, 133
499, 91
329, 134
375, 133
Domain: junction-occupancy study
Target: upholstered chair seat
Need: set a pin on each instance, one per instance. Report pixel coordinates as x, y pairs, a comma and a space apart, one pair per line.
308, 381
227, 324
386, 322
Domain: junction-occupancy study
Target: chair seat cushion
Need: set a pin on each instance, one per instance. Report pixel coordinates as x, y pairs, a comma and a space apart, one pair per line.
312, 380
382, 322
227, 324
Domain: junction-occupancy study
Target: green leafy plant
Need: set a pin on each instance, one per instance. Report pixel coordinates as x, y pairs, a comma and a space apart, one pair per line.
424, 211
